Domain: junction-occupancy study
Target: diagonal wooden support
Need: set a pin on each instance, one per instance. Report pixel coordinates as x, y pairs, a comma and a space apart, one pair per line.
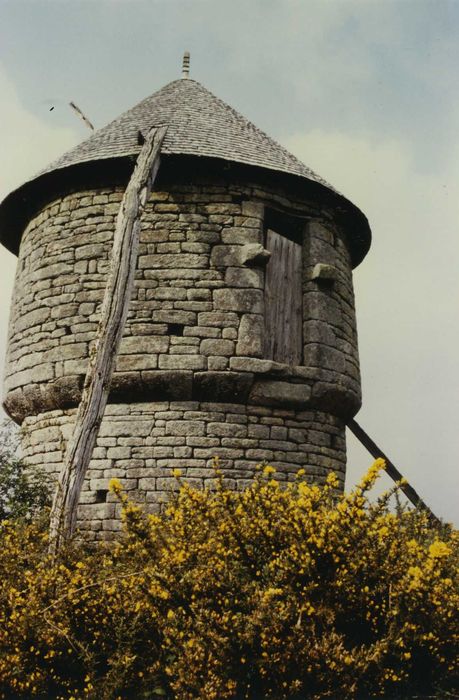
391, 470
102, 361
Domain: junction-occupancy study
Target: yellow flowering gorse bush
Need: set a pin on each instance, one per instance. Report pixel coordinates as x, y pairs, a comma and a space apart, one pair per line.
275, 592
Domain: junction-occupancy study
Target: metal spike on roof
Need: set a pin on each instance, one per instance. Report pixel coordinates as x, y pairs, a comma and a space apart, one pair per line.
186, 65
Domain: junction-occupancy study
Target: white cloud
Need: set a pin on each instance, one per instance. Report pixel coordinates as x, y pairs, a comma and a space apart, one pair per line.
407, 293
27, 145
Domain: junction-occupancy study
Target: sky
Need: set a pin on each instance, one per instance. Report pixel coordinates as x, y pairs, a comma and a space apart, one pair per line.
364, 92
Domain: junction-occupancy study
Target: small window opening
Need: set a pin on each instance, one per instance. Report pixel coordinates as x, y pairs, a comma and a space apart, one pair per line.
325, 285
175, 328
101, 495
334, 441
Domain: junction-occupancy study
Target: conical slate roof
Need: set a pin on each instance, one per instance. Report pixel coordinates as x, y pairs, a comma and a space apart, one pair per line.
199, 124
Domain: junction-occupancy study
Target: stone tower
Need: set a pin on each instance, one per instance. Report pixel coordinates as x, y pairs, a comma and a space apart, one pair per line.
241, 338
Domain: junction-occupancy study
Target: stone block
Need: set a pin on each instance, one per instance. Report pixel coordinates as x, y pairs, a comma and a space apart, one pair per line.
149, 344
40, 373
45, 436
242, 300
148, 484
185, 428
199, 294
258, 431
225, 256
172, 261
255, 209
91, 251
52, 271
250, 337
211, 237
323, 356
217, 364
259, 366
244, 277
65, 311
320, 332
276, 393
31, 319
227, 430
297, 435
184, 349
182, 362
278, 432
187, 318
222, 386
183, 452
218, 319
216, 347
260, 455
96, 511
118, 428
241, 235
130, 363
203, 441
222, 452
317, 437
173, 384
119, 452
229, 334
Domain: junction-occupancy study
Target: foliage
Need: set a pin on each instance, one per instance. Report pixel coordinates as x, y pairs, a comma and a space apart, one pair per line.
271, 593
24, 492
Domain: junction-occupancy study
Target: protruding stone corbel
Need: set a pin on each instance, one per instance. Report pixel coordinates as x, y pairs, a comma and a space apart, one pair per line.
254, 254
324, 272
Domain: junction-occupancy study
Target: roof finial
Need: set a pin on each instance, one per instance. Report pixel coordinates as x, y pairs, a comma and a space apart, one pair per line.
186, 65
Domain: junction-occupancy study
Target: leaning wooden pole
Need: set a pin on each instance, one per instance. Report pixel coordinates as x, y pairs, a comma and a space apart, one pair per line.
391, 470
102, 361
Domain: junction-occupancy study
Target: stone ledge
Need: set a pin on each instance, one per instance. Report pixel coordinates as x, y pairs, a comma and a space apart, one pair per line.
261, 382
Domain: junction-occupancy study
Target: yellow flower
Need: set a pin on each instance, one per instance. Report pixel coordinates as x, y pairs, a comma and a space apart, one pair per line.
177, 473
114, 486
268, 470
439, 549
332, 480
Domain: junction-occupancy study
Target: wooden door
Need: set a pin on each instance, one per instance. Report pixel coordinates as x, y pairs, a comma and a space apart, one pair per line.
283, 300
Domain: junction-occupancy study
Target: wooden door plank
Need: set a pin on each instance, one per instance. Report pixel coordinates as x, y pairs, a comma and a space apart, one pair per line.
283, 300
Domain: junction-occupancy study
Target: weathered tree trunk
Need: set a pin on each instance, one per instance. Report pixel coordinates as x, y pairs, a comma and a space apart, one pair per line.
102, 360
391, 470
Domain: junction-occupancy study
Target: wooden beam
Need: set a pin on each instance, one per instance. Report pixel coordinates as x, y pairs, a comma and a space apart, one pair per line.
103, 357
391, 470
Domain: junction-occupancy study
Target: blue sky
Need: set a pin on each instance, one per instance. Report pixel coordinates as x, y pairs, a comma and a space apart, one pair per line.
366, 93
361, 66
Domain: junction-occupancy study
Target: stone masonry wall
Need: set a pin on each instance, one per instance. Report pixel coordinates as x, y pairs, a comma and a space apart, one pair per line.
193, 343
195, 327
141, 443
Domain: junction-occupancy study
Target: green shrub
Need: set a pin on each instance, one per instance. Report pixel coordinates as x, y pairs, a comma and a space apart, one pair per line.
270, 593
24, 492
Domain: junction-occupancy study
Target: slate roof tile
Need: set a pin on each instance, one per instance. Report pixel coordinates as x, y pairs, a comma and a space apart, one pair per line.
199, 124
